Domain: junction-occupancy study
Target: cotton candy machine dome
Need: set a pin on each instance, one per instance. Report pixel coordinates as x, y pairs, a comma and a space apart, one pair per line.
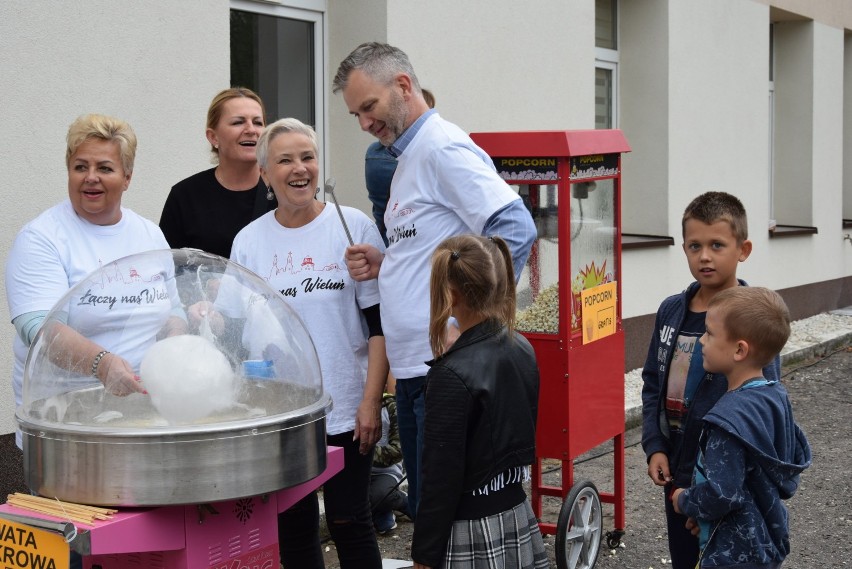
243, 416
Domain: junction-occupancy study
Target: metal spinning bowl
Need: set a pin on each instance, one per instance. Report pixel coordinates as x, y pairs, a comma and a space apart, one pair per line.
82, 444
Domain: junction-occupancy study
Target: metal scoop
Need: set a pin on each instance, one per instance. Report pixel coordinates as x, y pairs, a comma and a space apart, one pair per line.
329, 189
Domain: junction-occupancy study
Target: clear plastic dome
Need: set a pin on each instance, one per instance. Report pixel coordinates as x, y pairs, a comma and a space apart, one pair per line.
211, 343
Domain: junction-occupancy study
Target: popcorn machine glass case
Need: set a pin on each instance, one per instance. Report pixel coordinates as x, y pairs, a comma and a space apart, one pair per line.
569, 305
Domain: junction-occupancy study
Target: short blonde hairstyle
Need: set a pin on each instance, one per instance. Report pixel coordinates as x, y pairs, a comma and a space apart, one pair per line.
106, 128
757, 315
279, 127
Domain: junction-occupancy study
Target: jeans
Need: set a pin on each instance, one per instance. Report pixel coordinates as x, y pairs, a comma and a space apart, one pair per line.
683, 546
385, 495
347, 514
410, 410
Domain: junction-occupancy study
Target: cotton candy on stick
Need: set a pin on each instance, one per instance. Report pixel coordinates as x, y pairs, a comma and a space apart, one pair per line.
188, 378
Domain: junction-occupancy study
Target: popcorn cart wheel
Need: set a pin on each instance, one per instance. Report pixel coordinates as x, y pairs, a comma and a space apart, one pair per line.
569, 308
578, 530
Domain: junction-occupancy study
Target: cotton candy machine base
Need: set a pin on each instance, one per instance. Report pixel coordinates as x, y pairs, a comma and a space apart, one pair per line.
132, 459
221, 535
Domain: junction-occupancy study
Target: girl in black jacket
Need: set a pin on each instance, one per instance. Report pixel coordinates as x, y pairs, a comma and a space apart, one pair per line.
481, 397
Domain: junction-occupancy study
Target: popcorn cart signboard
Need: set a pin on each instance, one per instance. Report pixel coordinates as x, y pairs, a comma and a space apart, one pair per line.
569, 307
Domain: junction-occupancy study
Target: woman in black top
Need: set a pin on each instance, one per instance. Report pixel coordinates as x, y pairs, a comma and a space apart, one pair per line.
208, 209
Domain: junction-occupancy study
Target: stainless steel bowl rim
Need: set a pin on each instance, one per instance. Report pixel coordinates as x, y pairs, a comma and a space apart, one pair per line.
248, 427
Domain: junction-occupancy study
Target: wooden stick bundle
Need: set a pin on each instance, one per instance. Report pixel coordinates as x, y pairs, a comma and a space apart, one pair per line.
65, 510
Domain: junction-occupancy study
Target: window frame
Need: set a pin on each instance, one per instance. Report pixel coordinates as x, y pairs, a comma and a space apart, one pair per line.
313, 12
607, 59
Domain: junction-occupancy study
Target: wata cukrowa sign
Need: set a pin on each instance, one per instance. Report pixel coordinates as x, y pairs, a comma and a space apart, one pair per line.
25, 547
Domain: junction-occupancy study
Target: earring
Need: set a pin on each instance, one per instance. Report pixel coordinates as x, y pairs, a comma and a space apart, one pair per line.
316, 193
269, 195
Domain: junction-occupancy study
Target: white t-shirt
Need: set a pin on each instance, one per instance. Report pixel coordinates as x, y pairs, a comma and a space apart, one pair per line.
57, 249
444, 185
307, 266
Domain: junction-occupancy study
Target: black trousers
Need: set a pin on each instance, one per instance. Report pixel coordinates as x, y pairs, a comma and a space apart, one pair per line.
347, 512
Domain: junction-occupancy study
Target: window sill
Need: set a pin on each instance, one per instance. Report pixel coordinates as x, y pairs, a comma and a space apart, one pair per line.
791, 230
639, 241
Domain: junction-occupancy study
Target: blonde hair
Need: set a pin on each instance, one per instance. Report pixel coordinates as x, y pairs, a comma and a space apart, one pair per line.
279, 127
480, 269
106, 128
757, 315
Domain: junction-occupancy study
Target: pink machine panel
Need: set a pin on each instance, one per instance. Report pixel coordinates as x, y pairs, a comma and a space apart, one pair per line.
236, 534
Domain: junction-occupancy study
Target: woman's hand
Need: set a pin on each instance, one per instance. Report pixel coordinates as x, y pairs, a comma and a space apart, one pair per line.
368, 424
118, 377
202, 312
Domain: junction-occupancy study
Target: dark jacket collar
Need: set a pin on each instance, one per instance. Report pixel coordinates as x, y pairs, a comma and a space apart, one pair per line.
483, 330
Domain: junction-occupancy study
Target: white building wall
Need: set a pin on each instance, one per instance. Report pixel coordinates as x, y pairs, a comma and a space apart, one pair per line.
154, 64
716, 109
693, 103
827, 247
491, 66
644, 114
847, 127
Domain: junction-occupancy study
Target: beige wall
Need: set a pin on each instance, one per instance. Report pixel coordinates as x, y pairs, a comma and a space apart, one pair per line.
694, 107
491, 68
834, 13
153, 64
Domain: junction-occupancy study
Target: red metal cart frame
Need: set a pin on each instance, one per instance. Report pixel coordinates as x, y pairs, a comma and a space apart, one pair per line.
581, 401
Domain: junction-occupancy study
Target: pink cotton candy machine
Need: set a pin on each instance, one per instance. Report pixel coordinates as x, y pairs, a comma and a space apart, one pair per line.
235, 404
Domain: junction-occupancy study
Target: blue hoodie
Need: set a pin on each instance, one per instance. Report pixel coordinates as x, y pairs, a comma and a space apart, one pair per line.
752, 455
655, 429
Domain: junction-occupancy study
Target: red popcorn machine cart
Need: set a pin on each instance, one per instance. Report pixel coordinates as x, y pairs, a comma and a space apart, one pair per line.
569, 307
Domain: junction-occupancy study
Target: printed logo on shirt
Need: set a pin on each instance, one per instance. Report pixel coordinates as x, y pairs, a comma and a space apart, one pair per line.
401, 232
311, 283
666, 334
685, 373
113, 276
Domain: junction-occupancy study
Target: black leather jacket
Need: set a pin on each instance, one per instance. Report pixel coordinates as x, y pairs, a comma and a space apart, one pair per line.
481, 404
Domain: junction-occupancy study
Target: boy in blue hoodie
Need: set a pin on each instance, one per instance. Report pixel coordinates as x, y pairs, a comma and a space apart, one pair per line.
751, 452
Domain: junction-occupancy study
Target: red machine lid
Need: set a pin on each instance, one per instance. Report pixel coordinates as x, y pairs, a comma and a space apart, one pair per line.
551, 142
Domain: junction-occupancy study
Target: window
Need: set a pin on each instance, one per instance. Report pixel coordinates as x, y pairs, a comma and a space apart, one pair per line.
772, 127
847, 131
277, 51
606, 63
792, 125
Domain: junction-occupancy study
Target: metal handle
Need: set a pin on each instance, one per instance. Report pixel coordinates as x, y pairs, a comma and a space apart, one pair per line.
329, 189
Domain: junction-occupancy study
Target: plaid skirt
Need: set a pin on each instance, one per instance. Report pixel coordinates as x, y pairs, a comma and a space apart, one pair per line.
508, 540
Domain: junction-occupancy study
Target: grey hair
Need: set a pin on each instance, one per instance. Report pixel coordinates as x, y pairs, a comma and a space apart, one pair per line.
379, 61
279, 127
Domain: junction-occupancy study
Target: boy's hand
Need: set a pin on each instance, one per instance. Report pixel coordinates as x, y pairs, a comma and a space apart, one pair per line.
675, 494
658, 469
692, 526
